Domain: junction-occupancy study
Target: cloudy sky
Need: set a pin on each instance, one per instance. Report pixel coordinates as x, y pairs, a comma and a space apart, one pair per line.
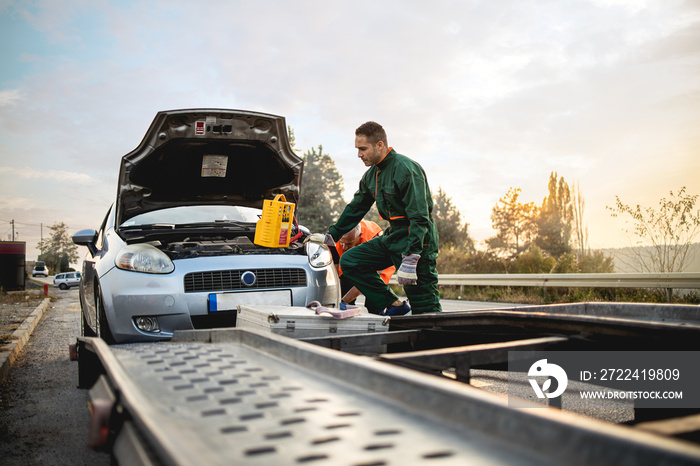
486, 95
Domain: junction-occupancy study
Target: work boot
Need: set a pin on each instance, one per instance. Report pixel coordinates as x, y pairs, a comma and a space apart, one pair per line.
403, 310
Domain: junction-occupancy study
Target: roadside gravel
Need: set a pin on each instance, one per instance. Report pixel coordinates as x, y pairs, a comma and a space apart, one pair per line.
44, 418
15, 307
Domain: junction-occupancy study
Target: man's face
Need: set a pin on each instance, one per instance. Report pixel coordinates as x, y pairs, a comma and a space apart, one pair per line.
369, 153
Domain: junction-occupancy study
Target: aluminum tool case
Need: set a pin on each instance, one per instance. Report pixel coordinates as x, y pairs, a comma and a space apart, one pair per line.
301, 322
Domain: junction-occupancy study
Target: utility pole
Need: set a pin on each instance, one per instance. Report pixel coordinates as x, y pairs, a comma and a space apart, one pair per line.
13, 229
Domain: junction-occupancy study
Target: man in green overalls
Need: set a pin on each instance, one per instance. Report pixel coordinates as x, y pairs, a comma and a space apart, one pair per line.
399, 187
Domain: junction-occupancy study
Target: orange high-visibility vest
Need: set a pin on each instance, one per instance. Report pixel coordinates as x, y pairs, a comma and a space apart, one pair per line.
369, 230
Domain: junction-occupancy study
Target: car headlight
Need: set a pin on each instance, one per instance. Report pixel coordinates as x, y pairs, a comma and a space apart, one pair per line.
318, 254
144, 258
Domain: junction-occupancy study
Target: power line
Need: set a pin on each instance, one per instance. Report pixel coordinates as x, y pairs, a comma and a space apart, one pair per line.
46, 225
21, 223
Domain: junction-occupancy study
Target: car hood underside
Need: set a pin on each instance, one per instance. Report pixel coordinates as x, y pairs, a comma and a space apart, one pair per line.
208, 156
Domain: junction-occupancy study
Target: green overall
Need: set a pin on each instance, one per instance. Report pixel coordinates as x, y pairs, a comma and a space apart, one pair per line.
400, 189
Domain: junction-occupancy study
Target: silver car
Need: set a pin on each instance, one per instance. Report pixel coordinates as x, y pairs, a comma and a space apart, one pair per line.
66, 280
177, 250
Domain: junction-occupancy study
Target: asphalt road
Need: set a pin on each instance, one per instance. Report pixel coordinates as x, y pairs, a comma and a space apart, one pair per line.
43, 416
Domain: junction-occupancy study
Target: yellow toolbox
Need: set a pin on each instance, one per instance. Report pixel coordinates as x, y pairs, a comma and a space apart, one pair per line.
275, 227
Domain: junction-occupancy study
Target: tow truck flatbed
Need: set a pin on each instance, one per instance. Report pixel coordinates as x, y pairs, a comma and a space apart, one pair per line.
230, 396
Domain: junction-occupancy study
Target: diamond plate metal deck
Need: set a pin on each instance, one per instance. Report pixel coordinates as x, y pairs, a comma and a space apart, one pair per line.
238, 405
231, 396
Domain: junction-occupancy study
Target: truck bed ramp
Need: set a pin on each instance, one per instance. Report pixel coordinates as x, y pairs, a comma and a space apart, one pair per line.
231, 396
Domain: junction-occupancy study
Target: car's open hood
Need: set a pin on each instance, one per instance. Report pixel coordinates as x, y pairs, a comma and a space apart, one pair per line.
208, 156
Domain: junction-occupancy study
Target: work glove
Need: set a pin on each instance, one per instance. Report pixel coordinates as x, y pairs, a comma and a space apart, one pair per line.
407, 270
322, 238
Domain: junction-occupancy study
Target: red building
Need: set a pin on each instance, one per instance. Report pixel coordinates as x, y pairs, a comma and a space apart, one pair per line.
12, 259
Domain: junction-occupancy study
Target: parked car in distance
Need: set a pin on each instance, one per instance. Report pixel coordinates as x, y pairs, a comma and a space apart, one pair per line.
66, 280
40, 269
177, 249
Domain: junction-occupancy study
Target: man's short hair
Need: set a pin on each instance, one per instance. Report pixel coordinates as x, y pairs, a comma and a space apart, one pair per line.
373, 131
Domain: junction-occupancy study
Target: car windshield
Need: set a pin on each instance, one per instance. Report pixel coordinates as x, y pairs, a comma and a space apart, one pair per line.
187, 215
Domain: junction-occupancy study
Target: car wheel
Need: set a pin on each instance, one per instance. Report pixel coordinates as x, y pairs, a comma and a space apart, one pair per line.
63, 286
102, 325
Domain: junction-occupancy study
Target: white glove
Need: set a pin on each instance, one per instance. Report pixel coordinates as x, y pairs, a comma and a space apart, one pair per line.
322, 238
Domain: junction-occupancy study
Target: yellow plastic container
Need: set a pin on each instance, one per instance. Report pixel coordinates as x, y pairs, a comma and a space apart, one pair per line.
275, 227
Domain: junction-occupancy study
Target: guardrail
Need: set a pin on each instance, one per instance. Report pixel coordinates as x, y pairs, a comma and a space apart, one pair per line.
668, 281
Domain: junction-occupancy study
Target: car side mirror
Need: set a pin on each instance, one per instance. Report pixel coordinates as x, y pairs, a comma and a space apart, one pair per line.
86, 238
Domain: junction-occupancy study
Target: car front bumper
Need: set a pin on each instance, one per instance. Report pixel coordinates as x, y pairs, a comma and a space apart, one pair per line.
128, 295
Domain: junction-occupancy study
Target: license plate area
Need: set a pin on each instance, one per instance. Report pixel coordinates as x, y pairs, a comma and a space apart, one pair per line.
219, 302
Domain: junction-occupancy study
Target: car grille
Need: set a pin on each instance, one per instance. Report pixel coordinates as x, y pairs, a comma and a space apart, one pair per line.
225, 280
